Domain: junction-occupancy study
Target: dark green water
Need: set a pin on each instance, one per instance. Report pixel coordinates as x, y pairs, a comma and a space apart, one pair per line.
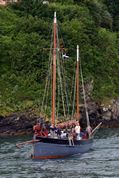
101, 162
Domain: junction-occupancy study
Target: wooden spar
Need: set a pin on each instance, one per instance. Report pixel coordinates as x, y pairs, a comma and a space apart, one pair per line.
95, 130
77, 85
27, 142
54, 71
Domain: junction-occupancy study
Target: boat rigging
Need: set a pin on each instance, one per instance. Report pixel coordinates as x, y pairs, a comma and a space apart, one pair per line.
59, 143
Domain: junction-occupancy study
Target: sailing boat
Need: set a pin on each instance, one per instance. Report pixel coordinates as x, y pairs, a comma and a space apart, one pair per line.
52, 147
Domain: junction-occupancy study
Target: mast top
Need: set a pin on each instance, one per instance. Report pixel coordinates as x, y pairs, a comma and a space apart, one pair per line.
77, 52
55, 18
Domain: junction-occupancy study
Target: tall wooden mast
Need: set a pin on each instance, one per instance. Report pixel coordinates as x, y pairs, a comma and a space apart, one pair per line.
77, 85
54, 70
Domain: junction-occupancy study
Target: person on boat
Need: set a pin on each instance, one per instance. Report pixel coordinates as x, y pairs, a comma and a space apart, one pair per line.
44, 131
58, 132
83, 134
40, 129
37, 128
52, 132
71, 139
78, 130
89, 130
64, 134
74, 134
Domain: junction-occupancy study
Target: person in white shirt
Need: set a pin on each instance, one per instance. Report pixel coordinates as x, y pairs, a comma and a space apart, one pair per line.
63, 134
78, 130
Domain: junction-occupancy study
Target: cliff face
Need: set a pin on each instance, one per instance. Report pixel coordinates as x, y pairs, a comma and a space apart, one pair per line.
16, 124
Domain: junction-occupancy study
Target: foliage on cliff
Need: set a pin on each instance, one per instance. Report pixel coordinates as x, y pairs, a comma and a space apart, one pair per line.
25, 33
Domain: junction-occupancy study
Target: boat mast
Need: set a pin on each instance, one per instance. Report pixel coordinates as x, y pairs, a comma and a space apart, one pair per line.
54, 70
77, 85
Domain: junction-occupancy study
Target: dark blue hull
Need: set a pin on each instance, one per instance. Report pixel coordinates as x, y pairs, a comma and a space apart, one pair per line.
48, 148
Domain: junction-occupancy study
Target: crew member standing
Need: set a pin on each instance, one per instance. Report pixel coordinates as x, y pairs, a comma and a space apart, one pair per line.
89, 130
78, 130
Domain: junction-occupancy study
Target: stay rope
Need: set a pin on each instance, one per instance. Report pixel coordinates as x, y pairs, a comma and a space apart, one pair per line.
74, 97
84, 95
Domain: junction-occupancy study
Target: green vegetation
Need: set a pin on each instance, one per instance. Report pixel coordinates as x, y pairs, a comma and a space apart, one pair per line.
25, 30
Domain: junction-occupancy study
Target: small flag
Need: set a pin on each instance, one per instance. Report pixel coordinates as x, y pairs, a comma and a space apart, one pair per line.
64, 56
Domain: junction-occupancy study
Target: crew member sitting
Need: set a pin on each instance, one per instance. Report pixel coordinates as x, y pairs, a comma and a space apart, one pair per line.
63, 134
37, 128
40, 129
44, 131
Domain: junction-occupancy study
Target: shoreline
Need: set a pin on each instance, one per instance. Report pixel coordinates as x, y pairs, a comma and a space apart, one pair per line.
22, 124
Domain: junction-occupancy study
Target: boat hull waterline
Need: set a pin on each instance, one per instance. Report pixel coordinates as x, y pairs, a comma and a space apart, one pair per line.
45, 150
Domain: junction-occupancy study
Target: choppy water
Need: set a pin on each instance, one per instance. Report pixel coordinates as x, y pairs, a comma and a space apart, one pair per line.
101, 162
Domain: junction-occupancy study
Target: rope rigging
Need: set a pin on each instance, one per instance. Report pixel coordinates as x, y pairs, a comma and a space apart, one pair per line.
48, 79
84, 95
60, 78
74, 98
64, 98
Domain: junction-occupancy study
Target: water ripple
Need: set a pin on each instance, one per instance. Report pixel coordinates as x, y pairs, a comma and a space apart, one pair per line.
101, 162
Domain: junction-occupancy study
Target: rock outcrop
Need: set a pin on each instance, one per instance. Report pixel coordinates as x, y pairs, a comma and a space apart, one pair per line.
22, 123
17, 124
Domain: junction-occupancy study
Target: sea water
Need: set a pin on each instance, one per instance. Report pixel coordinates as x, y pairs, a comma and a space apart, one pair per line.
101, 162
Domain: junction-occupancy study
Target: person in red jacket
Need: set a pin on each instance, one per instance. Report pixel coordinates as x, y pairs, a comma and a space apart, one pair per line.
37, 128
40, 130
